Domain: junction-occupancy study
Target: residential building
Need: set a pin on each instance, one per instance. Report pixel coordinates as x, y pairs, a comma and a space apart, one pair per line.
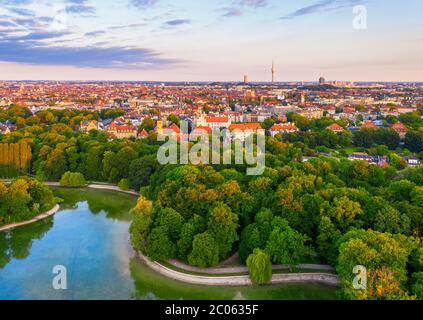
87, 126
413, 161
283, 128
400, 128
381, 161
122, 131
336, 128
311, 113
243, 130
214, 122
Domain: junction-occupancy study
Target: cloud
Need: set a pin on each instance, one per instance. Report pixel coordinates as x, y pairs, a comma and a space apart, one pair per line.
22, 12
322, 6
237, 7
132, 25
253, 3
15, 2
232, 12
35, 53
177, 22
95, 33
80, 7
36, 36
142, 3
4, 23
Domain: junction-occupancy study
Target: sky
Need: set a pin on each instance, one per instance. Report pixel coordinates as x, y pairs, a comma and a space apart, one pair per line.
211, 40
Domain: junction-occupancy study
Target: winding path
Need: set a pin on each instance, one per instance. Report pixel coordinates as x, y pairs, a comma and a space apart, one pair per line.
230, 270
321, 277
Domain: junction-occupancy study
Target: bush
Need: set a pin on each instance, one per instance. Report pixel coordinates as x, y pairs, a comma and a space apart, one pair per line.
73, 179
124, 184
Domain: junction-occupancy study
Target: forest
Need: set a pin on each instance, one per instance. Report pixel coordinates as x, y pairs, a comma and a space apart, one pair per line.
325, 210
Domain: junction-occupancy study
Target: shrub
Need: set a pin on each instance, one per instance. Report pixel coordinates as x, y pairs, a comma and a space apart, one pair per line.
73, 179
123, 184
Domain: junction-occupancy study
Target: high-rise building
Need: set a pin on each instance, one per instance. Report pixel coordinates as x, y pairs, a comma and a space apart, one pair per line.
245, 79
322, 80
273, 71
302, 98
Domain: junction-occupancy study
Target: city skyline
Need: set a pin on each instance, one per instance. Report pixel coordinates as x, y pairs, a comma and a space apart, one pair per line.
158, 40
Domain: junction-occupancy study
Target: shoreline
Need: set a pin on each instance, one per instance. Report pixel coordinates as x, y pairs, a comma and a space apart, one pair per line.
39, 217
56, 208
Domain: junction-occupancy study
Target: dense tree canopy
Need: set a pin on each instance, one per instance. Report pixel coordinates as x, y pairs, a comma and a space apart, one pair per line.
23, 199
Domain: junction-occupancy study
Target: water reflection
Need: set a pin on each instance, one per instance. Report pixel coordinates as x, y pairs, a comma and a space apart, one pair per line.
115, 205
17, 243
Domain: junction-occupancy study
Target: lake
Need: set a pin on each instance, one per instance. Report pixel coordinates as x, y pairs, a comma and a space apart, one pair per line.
89, 237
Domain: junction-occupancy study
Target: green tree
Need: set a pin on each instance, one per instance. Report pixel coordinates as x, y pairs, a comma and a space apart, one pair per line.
260, 267
159, 245
385, 257
140, 171
390, 220
142, 221
205, 251
174, 119
417, 285
326, 240
344, 212
171, 220
414, 141
285, 245
187, 234
223, 225
148, 124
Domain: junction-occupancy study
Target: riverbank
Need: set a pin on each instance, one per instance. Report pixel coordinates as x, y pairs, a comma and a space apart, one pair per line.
42, 216
242, 280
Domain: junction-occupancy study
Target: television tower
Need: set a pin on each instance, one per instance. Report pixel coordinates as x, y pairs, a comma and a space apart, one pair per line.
273, 71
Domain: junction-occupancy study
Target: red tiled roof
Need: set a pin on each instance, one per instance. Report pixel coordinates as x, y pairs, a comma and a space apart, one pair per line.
201, 128
399, 127
173, 128
245, 126
217, 119
369, 125
335, 127
284, 126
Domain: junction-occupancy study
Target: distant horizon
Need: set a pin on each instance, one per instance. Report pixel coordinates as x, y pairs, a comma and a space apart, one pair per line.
328, 82
189, 40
